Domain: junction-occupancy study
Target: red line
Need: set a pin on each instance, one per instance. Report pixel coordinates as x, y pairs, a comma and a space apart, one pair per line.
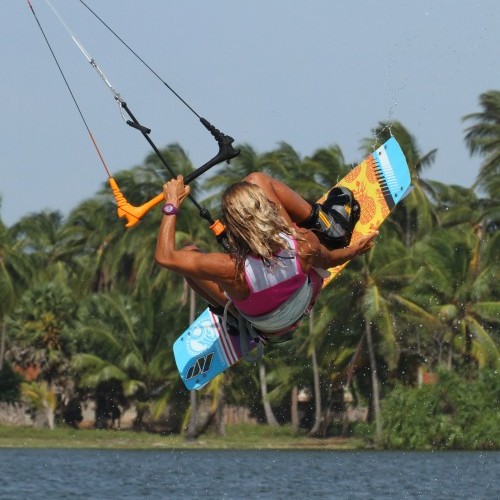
227, 346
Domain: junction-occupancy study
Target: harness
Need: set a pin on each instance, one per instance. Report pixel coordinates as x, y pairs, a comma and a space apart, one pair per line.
266, 284
288, 314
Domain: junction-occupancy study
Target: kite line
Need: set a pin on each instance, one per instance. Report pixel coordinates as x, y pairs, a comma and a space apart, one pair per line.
132, 213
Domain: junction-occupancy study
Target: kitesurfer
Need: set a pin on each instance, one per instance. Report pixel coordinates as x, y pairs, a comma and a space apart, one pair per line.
275, 269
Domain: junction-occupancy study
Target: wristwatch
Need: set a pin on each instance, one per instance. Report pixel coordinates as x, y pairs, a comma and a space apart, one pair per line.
169, 209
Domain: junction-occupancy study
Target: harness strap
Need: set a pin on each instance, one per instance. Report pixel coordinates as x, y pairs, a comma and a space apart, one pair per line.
246, 332
286, 315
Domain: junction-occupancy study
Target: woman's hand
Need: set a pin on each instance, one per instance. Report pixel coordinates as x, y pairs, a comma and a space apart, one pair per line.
364, 244
175, 191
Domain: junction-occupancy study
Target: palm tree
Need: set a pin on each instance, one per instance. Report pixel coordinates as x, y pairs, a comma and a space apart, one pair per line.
40, 325
129, 341
483, 138
453, 296
286, 165
247, 162
456, 205
89, 234
193, 399
309, 176
316, 378
136, 249
266, 403
328, 166
367, 293
108, 255
15, 274
42, 333
39, 235
41, 397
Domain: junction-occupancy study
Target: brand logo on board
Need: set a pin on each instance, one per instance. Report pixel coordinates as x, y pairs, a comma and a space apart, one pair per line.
200, 366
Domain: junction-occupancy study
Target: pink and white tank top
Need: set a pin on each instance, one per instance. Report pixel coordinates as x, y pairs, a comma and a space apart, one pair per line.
271, 284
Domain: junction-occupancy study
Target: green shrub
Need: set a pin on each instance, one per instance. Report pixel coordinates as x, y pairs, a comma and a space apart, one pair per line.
364, 430
10, 382
453, 414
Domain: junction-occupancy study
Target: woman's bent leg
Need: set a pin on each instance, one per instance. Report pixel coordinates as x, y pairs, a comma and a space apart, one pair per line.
208, 290
293, 207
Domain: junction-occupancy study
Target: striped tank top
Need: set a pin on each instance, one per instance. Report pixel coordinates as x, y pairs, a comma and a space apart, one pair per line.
271, 284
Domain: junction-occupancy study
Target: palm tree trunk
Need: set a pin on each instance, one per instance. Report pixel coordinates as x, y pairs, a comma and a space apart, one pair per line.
219, 417
193, 401
50, 415
271, 419
317, 389
294, 409
2, 345
453, 335
375, 384
409, 230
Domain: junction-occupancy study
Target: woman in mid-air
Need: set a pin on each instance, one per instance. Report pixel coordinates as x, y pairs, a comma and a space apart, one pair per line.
281, 246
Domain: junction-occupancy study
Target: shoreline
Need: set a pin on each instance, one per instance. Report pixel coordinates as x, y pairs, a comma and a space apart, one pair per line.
237, 438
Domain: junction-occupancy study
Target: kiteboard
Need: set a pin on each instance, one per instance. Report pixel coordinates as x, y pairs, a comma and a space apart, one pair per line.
379, 183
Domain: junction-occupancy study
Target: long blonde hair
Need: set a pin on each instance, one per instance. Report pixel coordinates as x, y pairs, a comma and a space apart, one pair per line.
253, 223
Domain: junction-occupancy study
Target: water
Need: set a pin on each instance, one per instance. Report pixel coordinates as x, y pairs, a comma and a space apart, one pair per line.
200, 475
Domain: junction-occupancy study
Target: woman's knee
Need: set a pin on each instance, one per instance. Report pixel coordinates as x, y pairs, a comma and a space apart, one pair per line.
258, 178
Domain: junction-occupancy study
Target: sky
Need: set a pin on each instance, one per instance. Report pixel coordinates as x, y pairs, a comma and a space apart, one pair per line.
312, 73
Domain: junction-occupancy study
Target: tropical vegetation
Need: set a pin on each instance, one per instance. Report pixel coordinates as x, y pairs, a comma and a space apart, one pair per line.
86, 314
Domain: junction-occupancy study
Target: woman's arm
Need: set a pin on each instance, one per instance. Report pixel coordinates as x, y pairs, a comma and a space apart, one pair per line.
320, 256
212, 266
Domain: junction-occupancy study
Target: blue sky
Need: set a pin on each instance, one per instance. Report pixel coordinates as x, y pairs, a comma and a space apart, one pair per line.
312, 74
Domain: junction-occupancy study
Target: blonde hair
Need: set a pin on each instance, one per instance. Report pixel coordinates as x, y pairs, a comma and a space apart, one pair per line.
253, 223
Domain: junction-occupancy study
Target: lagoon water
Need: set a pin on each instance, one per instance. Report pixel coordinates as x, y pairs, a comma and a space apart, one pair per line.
220, 474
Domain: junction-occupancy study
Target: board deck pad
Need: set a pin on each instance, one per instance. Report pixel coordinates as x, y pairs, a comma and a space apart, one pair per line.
379, 183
